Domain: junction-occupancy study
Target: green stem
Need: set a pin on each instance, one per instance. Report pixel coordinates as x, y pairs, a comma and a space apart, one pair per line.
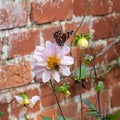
80, 91
80, 85
98, 95
57, 99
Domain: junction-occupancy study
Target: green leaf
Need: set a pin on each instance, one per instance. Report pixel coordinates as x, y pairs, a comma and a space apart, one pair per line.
114, 116
61, 118
1, 114
46, 118
100, 86
92, 113
90, 104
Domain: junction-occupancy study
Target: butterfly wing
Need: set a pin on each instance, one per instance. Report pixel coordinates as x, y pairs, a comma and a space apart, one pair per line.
61, 37
58, 37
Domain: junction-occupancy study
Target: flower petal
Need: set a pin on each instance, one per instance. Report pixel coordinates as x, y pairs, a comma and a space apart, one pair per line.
18, 98
65, 70
66, 50
33, 100
22, 114
46, 76
56, 76
67, 60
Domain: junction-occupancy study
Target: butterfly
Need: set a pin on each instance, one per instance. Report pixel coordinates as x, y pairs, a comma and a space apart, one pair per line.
61, 37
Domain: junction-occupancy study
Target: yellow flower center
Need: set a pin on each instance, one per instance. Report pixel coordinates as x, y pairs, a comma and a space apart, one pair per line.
53, 63
25, 102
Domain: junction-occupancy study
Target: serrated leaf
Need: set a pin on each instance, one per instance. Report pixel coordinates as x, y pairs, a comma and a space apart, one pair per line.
90, 104
46, 118
1, 114
61, 118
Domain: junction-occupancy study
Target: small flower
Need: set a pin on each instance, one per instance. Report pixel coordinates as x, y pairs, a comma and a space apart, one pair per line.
82, 43
24, 101
51, 61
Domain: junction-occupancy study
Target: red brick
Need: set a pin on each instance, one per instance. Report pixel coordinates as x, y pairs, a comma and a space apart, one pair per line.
115, 100
101, 58
48, 33
51, 113
116, 6
0, 49
100, 7
80, 6
23, 43
13, 14
106, 27
112, 78
102, 28
114, 51
48, 11
97, 7
85, 27
3, 108
47, 97
69, 110
15, 75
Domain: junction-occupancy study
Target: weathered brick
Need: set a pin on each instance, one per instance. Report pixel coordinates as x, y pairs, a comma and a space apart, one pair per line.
85, 27
106, 27
15, 75
80, 6
114, 51
100, 7
112, 78
48, 11
51, 113
23, 43
115, 100
69, 110
0, 49
13, 14
97, 7
102, 28
3, 108
116, 6
47, 97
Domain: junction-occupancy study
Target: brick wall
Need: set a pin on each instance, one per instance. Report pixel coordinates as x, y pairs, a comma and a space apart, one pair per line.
25, 24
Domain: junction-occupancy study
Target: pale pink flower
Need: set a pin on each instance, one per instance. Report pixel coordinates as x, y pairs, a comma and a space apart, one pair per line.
51, 61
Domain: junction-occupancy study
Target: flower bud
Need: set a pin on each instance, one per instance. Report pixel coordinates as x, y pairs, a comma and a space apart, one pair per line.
82, 43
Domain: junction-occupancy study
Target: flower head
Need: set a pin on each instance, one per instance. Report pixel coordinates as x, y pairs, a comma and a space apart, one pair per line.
51, 61
24, 101
82, 43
